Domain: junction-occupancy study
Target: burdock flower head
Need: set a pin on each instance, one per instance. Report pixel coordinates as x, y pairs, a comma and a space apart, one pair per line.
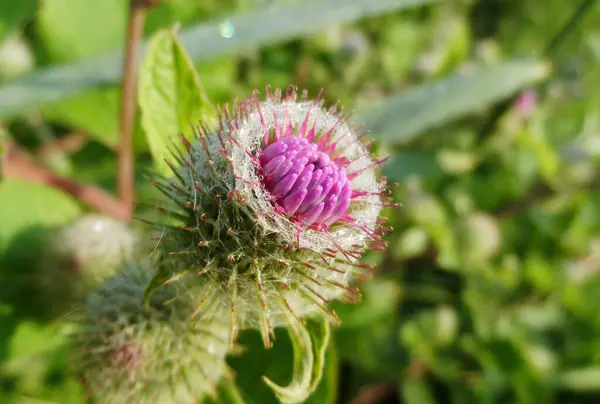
128, 352
272, 211
77, 257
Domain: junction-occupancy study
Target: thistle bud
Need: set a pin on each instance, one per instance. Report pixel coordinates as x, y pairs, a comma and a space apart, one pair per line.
272, 210
16, 57
75, 258
128, 352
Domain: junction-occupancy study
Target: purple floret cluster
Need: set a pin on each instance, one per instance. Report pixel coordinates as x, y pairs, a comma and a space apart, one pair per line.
310, 187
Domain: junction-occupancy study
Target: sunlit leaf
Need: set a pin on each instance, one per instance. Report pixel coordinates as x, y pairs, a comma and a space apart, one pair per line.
25, 204
584, 379
73, 29
204, 42
170, 95
95, 112
404, 116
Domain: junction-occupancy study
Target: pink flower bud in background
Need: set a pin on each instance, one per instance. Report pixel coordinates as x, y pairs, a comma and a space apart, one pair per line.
526, 102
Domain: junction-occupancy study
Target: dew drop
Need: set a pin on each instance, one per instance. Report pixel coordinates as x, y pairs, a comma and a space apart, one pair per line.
226, 29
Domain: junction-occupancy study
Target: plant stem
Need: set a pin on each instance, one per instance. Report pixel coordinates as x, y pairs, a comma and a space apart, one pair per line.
18, 164
376, 393
69, 144
126, 180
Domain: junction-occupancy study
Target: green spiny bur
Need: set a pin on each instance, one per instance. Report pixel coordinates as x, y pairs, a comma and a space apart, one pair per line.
126, 351
224, 235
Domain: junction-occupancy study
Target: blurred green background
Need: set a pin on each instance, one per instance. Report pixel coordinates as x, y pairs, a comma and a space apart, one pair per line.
490, 112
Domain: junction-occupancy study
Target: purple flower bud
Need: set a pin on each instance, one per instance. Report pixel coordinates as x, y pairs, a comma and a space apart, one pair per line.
526, 102
281, 201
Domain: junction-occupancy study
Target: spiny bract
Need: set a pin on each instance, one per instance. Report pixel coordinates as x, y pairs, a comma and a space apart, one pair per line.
272, 211
126, 352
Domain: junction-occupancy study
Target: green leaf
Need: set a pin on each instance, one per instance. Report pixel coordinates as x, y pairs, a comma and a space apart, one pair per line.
379, 299
584, 379
13, 13
402, 117
368, 336
416, 391
227, 393
327, 391
404, 35
219, 78
24, 205
96, 113
204, 42
310, 345
412, 163
74, 29
31, 339
275, 363
36, 370
2, 149
453, 44
170, 95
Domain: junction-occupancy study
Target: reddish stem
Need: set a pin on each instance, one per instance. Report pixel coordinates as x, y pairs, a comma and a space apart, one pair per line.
18, 164
126, 179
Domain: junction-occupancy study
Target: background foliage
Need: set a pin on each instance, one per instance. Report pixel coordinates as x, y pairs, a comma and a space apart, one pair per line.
490, 288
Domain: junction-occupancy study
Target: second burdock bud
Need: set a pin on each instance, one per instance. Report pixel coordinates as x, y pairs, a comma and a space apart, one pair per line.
128, 351
75, 258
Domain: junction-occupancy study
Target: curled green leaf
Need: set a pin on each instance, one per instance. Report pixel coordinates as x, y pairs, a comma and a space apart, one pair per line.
310, 345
